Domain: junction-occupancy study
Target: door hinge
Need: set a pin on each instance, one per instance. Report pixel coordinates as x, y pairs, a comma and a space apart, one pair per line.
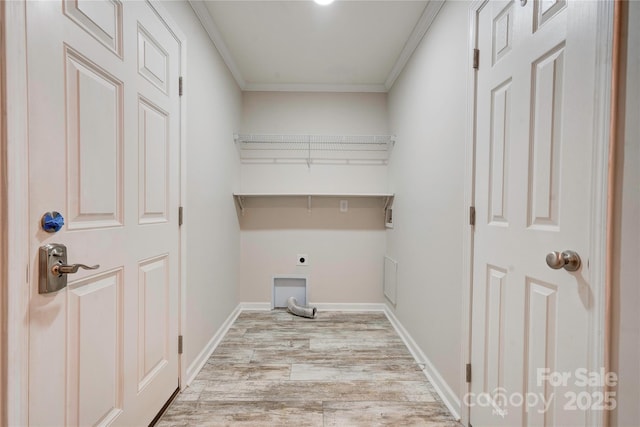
476, 59
180, 216
180, 86
472, 215
179, 344
468, 373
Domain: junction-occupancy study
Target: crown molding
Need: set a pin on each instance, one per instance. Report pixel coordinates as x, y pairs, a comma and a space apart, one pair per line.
204, 16
426, 19
313, 87
424, 23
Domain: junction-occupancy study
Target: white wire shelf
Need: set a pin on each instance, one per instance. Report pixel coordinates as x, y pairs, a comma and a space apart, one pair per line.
314, 148
386, 199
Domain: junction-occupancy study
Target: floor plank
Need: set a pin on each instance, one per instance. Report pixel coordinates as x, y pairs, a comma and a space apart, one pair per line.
386, 414
340, 369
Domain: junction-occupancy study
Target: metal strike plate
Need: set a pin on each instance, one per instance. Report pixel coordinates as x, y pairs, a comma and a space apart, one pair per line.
50, 255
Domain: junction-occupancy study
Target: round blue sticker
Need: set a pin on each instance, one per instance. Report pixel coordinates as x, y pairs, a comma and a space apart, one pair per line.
52, 222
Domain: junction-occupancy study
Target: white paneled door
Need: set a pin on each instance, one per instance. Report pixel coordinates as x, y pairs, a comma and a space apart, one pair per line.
534, 142
104, 121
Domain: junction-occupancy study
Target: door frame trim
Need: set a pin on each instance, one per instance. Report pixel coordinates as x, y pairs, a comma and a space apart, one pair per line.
16, 270
469, 200
14, 266
3, 237
598, 346
181, 38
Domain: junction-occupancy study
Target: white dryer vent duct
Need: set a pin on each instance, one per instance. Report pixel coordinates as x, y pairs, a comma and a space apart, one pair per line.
299, 310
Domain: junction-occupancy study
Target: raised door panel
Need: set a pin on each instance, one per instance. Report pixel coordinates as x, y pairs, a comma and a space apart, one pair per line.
494, 345
153, 60
102, 19
502, 28
541, 343
95, 349
153, 318
545, 10
499, 154
545, 140
153, 142
94, 144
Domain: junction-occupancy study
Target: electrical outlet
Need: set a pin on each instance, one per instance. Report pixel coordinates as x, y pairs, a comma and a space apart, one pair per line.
344, 205
302, 259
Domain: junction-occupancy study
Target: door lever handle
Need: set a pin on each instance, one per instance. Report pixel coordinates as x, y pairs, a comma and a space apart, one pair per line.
53, 268
60, 269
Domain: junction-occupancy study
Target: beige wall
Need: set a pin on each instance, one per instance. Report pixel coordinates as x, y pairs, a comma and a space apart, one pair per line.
311, 113
345, 249
626, 290
314, 113
213, 237
427, 108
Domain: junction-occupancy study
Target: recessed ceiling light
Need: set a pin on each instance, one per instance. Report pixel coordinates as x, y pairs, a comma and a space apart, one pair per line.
323, 2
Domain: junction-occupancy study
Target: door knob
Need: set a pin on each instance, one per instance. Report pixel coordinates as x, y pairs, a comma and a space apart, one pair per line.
570, 260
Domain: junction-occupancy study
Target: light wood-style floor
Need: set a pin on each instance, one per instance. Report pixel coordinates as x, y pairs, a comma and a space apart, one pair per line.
340, 369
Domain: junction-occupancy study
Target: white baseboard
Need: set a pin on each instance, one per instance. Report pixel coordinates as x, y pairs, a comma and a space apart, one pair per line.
439, 384
321, 306
441, 387
195, 367
337, 306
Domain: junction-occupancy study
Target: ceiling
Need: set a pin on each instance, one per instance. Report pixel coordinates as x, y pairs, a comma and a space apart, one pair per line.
297, 45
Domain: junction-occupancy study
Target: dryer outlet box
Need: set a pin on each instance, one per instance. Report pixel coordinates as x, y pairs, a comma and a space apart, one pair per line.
302, 259
289, 286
